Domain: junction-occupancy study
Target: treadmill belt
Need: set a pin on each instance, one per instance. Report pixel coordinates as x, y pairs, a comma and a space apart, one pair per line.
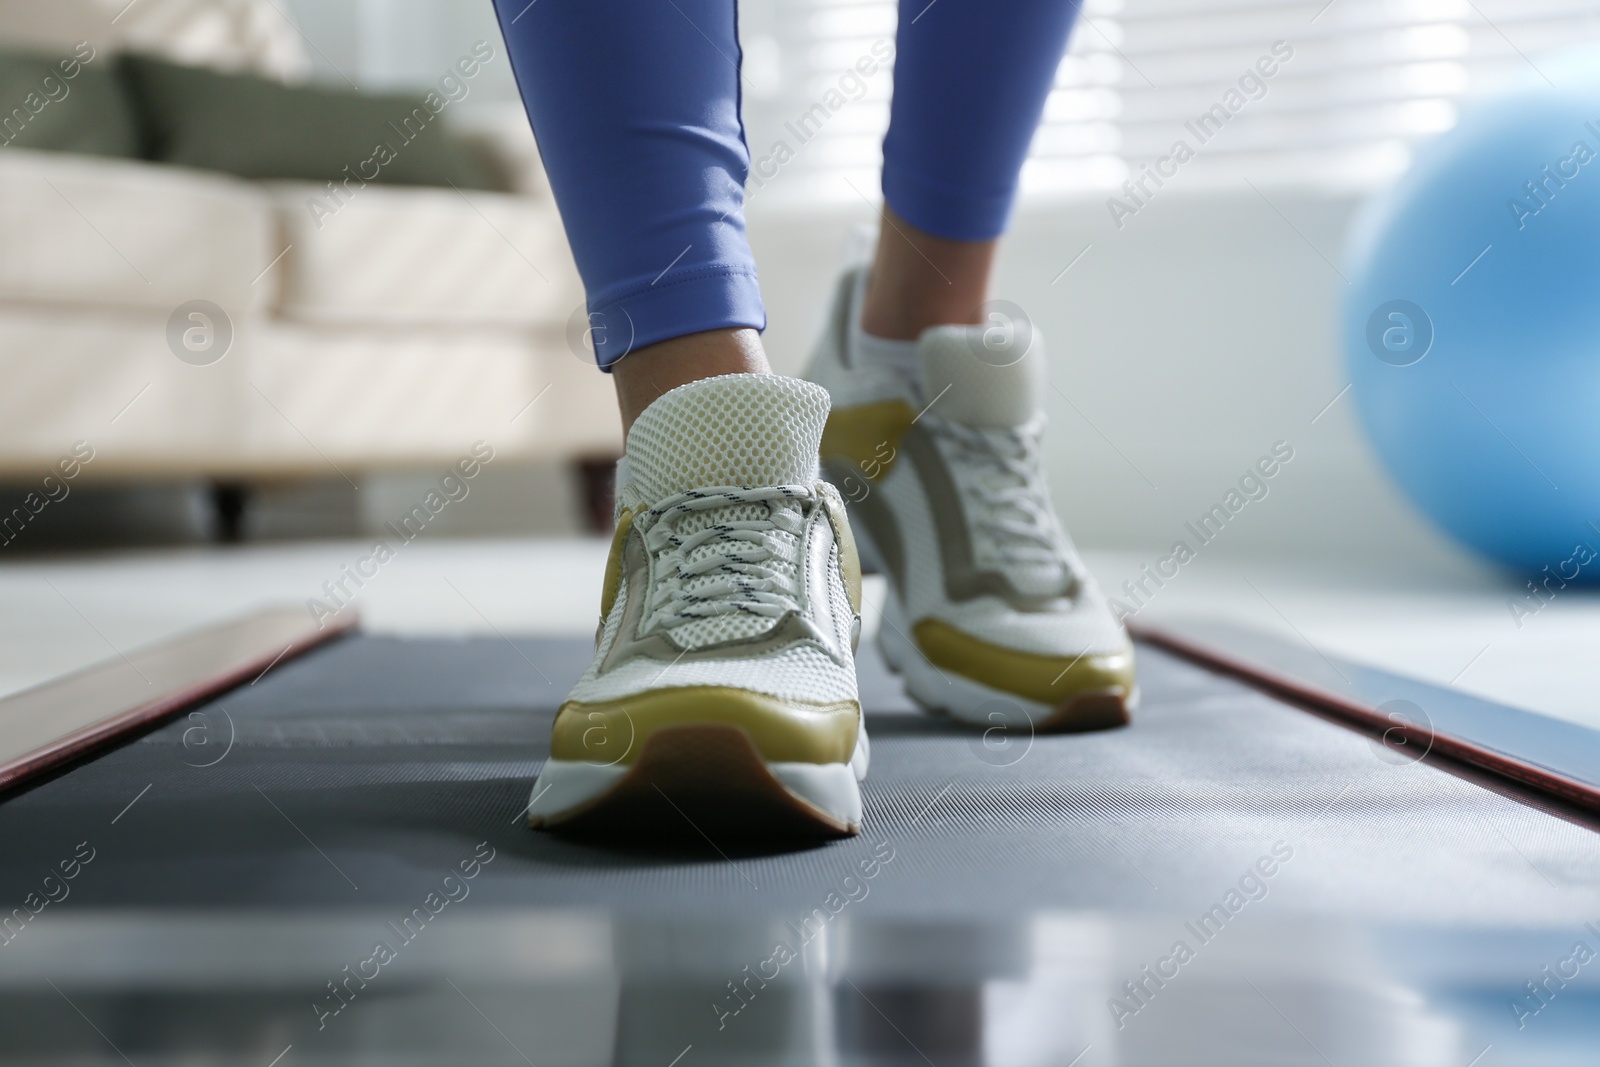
1007, 894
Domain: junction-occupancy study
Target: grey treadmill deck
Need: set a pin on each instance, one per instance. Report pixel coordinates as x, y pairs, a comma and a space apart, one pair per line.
263, 839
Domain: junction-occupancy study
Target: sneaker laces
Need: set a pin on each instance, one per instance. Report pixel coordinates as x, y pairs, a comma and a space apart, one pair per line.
1002, 477
723, 552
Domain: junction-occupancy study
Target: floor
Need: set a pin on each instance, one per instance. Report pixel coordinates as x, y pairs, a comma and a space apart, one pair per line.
1382, 944
1451, 623
1005, 895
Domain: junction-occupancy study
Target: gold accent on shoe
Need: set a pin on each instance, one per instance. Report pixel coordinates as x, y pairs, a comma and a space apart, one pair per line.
868, 435
613, 577
1053, 680
615, 731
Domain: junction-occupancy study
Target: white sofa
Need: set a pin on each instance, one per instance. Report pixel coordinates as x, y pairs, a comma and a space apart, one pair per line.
408, 325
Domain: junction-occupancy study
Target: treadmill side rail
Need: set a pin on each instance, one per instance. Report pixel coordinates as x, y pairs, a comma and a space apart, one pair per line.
57, 721
1550, 756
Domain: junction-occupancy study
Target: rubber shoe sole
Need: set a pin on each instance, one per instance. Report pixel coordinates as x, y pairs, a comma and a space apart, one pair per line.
976, 704
709, 778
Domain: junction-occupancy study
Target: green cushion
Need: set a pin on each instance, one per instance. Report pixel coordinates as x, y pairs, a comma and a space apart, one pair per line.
257, 128
64, 103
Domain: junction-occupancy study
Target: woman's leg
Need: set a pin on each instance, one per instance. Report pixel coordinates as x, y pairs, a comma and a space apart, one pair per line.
970, 82
647, 372
937, 420
919, 279
728, 545
636, 110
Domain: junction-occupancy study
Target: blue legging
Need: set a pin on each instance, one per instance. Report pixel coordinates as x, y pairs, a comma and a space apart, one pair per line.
635, 104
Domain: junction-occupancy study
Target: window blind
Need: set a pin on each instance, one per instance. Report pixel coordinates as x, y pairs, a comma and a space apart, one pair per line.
1353, 85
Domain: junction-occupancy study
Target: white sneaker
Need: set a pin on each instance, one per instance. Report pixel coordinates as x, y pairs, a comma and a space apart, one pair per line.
723, 683
991, 616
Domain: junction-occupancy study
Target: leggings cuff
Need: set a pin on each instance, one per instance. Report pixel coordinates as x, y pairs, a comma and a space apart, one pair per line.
945, 211
706, 298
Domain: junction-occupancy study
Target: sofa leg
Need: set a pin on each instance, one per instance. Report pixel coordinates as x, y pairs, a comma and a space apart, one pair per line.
228, 502
597, 478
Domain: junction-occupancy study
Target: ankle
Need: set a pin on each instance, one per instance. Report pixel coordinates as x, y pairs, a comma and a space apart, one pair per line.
646, 373
919, 279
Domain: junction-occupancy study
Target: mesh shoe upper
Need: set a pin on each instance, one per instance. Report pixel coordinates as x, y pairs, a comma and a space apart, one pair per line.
963, 497
730, 540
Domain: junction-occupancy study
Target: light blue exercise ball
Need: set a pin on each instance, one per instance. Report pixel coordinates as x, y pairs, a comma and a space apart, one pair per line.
1472, 324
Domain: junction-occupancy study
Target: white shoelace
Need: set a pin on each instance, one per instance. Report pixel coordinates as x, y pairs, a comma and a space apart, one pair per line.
726, 551
1008, 505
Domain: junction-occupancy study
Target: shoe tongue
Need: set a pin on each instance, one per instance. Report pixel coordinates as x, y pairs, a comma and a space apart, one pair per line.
747, 430
983, 376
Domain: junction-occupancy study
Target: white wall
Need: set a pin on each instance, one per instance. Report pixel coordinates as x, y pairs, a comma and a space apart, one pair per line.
400, 44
